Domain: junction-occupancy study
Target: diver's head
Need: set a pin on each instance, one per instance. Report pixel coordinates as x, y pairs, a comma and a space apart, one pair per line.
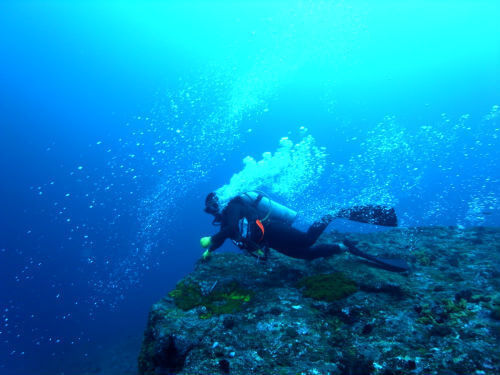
212, 204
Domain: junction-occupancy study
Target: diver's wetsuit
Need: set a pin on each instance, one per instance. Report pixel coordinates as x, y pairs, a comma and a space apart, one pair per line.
297, 244
235, 210
277, 235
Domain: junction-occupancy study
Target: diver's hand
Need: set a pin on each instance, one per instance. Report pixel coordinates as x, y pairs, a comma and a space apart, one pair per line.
206, 242
206, 255
260, 253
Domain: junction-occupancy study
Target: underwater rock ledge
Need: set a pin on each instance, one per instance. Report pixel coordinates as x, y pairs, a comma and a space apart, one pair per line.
339, 315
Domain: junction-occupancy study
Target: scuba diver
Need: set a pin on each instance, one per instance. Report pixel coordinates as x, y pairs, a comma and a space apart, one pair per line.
256, 223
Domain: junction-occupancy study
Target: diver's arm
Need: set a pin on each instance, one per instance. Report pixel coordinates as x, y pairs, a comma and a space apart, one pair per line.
218, 239
229, 227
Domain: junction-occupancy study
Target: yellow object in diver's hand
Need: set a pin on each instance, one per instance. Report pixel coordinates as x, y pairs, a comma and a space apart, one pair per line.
205, 241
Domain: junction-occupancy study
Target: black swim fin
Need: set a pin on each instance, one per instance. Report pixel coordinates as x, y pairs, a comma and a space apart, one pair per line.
393, 264
370, 214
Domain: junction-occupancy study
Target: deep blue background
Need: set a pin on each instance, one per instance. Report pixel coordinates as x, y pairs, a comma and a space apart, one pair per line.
78, 80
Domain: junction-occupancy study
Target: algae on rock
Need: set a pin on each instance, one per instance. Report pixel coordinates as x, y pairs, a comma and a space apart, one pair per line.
327, 287
225, 300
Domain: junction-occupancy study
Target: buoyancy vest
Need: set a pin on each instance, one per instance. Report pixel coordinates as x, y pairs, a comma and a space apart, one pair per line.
249, 232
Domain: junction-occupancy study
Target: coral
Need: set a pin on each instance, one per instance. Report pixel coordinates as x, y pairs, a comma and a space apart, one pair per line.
422, 322
327, 287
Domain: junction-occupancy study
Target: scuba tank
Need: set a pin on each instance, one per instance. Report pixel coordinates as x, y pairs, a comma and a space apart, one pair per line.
269, 209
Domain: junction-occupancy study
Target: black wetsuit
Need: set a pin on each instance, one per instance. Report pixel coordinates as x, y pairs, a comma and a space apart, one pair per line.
277, 235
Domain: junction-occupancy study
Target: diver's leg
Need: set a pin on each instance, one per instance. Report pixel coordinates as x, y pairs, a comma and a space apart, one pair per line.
326, 250
309, 253
317, 228
280, 235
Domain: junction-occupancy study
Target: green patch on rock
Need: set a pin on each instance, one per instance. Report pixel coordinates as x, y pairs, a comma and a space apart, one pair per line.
334, 323
226, 300
423, 257
327, 287
453, 312
187, 296
458, 310
455, 307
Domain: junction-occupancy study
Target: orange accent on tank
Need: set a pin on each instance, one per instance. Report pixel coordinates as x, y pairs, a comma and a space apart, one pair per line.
259, 224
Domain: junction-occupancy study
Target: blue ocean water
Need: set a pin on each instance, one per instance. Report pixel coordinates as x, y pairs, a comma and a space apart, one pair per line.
117, 118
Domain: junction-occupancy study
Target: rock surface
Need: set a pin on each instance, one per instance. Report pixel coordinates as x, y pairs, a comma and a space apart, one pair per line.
340, 315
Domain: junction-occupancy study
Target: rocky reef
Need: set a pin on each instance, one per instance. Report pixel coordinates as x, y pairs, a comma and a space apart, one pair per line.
339, 315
